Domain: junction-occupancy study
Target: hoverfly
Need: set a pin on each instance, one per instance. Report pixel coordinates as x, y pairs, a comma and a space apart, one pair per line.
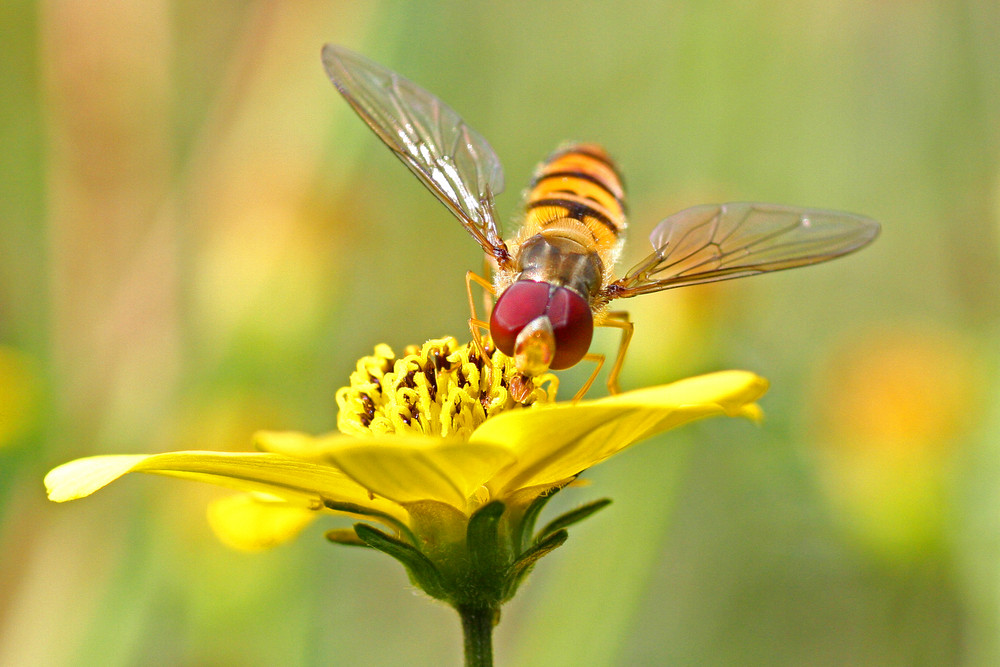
554, 279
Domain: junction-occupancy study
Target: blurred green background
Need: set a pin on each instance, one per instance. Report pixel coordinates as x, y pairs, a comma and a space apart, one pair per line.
198, 239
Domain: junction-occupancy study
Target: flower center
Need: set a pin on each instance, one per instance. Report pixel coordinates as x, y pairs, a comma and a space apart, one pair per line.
440, 389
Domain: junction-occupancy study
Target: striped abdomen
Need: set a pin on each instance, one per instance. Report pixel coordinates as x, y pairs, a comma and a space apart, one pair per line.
581, 183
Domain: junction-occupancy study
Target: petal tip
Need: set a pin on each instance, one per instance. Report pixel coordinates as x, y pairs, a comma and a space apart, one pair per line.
753, 412
82, 477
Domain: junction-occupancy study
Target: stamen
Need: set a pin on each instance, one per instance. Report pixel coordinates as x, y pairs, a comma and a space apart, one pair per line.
440, 389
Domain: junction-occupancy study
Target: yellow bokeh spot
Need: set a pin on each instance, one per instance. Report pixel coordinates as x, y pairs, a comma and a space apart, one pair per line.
892, 409
903, 390
19, 394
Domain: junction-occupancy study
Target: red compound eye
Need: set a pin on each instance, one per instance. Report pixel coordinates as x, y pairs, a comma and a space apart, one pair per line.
568, 312
573, 325
519, 304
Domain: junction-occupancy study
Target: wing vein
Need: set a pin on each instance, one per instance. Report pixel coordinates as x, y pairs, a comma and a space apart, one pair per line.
719, 242
455, 162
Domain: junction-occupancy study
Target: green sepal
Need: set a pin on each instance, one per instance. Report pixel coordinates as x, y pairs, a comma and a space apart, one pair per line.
523, 537
520, 568
483, 538
569, 518
345, 536
358, 510
422, 572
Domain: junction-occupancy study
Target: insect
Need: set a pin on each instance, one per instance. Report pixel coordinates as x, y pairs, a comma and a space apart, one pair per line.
553, 280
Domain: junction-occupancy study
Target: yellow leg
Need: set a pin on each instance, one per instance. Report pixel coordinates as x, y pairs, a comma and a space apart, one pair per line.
487, 286
619, 320
597, 359
477, 325
489, 292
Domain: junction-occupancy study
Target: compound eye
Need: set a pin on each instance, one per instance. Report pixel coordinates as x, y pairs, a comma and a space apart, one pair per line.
573, 326
520, 303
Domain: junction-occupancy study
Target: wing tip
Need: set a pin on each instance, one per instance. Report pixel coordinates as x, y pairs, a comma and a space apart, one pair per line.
331, 51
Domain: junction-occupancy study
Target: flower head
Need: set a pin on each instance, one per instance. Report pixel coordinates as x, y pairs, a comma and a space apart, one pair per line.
433, 447
439, 389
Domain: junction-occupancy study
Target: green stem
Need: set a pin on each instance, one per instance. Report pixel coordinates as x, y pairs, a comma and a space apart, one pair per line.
477, 626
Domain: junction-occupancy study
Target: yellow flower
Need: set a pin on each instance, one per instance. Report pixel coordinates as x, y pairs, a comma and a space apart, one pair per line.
435, 448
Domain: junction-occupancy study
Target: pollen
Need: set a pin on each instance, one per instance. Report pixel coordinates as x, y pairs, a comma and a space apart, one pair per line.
440, 389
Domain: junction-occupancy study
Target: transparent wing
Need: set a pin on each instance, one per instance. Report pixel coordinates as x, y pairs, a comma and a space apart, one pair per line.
454, 161
722, 241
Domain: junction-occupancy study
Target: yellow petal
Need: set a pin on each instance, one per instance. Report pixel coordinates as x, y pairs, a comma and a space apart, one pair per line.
408, 469
82, 477
730, 390
299, 445
554, 443
254, 522
297, 481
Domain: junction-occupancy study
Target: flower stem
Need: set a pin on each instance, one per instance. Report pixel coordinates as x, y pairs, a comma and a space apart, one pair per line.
477, 626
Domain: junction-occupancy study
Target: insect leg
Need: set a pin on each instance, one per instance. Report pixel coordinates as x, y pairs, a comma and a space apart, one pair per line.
619, 320
598, 359
476, 325
489, 293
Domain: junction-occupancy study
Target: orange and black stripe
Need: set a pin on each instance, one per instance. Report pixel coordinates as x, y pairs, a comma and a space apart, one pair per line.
579, 182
